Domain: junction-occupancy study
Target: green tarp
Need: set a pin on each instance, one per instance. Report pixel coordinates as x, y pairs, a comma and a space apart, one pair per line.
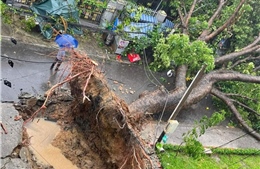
47, 9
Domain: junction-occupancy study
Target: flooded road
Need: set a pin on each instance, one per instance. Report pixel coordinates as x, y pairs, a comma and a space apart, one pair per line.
42, 135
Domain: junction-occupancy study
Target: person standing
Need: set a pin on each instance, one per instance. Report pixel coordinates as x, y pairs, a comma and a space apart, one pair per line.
59, 58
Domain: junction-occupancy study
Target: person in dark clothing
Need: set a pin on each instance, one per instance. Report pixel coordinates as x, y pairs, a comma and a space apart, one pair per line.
59, 58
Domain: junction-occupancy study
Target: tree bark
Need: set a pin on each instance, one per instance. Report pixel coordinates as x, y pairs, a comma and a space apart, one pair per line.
252, 44
153, 102
228, 57
210, 22
180, 80
187, 18
226, 24
232, 107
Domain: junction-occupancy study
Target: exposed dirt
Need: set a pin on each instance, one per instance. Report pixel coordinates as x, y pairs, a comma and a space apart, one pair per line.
97, 134
71, 140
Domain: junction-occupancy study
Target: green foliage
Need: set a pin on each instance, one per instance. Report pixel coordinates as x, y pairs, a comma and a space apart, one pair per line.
196, 27
246, 93
174, 157
6, 13
245, 27
192, 146
177, 48
137, 45
28, 23
95, 3
228, 151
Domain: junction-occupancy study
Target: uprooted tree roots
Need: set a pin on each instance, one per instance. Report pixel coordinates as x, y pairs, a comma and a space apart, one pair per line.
105, 117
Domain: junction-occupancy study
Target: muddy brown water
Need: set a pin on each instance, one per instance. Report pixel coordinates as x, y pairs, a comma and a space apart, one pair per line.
42, 133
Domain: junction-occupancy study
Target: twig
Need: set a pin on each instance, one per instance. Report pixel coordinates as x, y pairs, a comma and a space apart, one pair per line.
147, 156
85, 87
99, 112
123, 163
139, 166
187, 18
256, 68
246, 107
119, 124
227, 23
244, 60
241, 96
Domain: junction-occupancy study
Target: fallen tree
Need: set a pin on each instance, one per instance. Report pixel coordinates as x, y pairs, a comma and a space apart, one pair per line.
112, 132
225, 21
107, 116
115, 125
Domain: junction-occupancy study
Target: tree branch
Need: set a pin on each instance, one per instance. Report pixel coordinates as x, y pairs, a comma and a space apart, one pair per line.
217, 12
205, 85
232, 107
241, 96
180, 79
233, 55
181, 17
252, 44
190, 13
226, 24
246, 107
244, 60
210, 22
184, 8
257, 68
229, 75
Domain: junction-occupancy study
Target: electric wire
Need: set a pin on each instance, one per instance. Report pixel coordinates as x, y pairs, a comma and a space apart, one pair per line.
29, 61
27, 75
146, 65
242, 159
243, 135
239, 137
165, 104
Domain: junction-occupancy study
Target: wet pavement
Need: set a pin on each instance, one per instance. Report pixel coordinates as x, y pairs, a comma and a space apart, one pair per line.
127, 80
30, 72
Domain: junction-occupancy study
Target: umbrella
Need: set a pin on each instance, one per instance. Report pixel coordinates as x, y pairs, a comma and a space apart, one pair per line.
66, 40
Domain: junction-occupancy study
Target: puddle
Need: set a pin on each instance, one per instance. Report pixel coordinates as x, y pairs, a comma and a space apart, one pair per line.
43, 134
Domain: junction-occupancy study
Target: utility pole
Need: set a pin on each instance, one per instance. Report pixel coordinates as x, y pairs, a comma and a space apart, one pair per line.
182, 101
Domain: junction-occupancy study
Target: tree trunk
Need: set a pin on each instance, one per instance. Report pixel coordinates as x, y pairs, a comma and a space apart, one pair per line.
108, 119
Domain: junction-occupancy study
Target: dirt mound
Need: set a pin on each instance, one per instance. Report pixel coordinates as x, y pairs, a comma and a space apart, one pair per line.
97, 130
